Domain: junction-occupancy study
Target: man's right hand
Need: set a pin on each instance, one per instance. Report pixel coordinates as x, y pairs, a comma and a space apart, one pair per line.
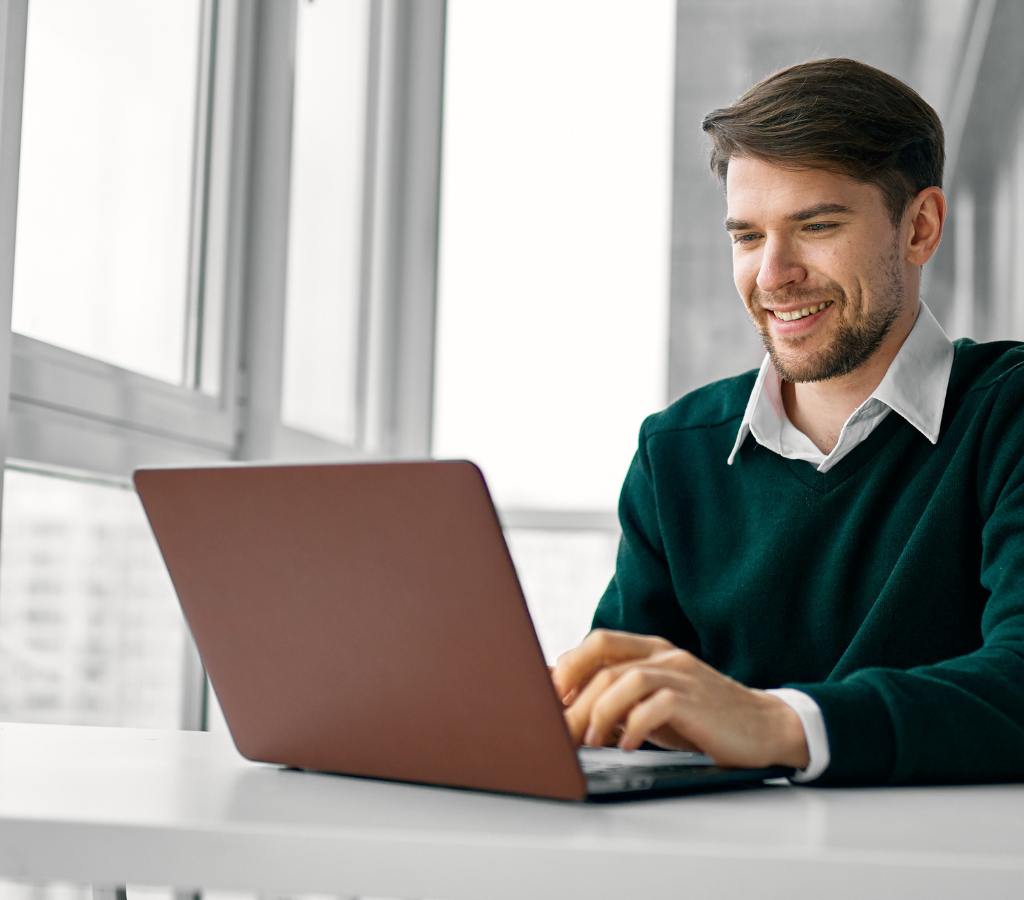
628, 688
600, 649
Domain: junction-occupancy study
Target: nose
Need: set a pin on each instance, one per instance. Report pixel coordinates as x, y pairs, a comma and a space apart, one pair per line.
779, 266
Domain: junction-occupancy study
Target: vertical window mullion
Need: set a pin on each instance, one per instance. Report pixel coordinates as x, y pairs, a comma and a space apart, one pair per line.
194, 328
12, 66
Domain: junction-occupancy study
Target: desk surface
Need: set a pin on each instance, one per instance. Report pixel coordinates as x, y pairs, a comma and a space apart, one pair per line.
108, 806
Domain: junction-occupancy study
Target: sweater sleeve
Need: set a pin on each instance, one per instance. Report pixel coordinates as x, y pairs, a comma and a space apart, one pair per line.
961, 719
641, 598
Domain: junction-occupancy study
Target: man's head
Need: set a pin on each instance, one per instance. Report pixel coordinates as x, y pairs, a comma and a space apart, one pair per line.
841, 116
833, 172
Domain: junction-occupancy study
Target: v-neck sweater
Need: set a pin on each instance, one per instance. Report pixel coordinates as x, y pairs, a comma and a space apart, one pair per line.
890, 588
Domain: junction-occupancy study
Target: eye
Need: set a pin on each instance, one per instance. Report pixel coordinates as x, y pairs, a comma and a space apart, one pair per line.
819, 227
746, 238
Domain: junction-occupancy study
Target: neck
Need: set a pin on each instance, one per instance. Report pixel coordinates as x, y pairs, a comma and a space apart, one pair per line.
820, 408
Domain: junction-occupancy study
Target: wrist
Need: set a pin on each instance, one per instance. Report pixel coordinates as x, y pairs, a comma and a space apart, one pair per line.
789, 747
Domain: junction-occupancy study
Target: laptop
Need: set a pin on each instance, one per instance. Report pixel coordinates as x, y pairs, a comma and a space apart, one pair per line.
366, 619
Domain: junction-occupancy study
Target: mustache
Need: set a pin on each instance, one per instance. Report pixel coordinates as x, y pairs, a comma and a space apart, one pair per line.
805, 296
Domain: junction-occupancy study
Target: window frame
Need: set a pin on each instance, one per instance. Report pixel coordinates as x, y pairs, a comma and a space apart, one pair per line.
61, 400
71, 415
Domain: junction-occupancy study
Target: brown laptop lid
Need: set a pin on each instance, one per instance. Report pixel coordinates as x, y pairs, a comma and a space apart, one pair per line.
364, 619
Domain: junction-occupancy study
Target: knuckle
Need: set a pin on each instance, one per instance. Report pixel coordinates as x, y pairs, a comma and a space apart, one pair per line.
666, 696
638, 679
564, 661
604, 711
681, 659
602, 679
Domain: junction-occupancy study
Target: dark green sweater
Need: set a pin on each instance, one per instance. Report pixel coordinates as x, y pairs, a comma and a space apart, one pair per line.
890, 589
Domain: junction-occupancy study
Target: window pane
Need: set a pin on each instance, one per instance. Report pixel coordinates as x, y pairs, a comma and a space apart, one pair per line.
325, 223
553, 299
563, 574
106, 178
90, 628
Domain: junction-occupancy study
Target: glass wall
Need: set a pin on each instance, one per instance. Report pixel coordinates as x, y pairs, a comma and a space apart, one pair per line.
980, 279
325, 265
553, 288
554, 243
563, 573
90, 628
105, 192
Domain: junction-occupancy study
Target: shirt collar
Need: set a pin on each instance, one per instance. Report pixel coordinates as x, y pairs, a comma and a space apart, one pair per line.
914, 386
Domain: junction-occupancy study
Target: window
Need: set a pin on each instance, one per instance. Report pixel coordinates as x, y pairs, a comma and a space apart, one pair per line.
90, 629
105, 189
322, 362
105, 369
153, 280
553, 297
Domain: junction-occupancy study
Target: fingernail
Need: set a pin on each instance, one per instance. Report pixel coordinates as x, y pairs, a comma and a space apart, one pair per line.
591, 736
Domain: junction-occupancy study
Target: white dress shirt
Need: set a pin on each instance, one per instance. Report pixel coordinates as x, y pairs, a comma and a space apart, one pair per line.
914, 387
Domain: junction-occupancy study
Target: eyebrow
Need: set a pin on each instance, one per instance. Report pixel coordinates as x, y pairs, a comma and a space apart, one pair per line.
812, 212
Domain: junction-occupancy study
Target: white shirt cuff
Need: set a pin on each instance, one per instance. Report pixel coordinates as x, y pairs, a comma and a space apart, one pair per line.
814, 731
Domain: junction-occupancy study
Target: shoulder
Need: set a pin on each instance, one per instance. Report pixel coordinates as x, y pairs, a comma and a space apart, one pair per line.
986, 366
987, 412
715, 405
985, 401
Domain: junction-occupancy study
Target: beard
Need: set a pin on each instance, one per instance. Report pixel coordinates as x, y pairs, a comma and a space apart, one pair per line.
853, 343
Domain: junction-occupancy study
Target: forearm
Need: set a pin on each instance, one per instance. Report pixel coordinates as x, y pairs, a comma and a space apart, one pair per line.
958, 721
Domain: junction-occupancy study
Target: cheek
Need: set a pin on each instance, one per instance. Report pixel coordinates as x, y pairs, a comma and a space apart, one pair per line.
745, 269
846, 264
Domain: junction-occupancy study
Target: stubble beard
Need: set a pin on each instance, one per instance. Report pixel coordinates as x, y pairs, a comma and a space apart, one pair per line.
853, 343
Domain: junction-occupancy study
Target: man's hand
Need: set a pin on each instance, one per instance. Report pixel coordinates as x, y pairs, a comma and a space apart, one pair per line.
634, 688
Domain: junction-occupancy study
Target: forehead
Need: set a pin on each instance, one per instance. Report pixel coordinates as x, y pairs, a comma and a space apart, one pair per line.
758, 190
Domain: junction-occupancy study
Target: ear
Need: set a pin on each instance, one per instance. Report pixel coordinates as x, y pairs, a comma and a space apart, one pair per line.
924, 221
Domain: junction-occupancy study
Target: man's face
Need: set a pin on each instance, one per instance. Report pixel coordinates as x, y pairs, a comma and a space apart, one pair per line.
818, 264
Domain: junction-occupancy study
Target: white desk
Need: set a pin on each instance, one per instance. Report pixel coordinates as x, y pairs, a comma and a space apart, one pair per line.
111, 806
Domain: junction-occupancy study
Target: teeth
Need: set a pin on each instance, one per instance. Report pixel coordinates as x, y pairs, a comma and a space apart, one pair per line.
800, 313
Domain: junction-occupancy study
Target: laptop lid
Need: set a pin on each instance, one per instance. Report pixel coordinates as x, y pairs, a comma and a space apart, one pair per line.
364, 619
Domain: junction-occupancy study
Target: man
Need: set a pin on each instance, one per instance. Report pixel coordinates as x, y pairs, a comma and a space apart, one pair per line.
847, 524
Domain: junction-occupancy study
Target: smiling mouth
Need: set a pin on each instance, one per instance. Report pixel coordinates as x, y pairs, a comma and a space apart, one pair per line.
801, 313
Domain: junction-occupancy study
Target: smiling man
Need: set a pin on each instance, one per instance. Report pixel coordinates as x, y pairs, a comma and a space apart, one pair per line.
822, 562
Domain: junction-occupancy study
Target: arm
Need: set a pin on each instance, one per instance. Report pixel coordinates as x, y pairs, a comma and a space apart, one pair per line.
960, 719
634, 688
641, 597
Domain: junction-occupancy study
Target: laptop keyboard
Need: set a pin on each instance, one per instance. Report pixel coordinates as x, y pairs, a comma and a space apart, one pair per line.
611, 772
610, 760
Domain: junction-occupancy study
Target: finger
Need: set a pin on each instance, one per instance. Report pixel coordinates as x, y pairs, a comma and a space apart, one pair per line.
580, 717
601, 648
667, 738
577, 714
676, 660
567, 698
617, 701
662, 715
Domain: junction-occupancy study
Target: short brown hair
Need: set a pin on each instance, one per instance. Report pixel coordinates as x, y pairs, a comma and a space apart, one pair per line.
839, 115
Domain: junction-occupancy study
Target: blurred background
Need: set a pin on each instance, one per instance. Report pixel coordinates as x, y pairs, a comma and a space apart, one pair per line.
303, 230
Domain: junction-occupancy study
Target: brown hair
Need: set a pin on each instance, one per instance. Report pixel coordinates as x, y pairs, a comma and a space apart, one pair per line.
839, 115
